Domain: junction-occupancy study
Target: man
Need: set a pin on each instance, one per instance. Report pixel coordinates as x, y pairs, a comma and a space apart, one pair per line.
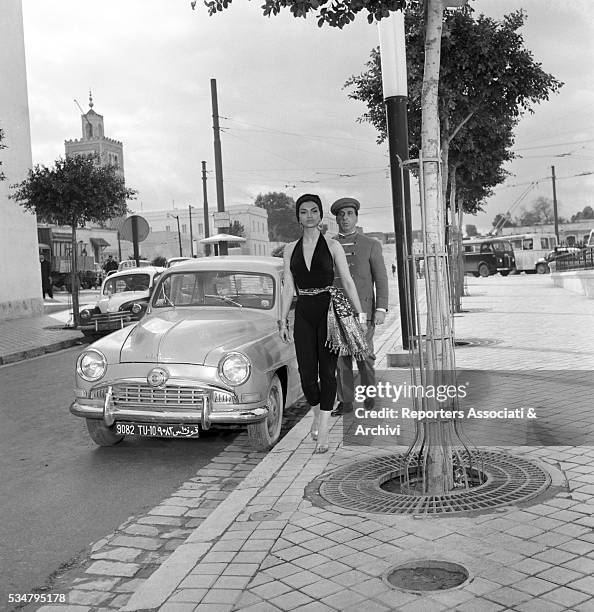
46, 278
110, 264
366, 263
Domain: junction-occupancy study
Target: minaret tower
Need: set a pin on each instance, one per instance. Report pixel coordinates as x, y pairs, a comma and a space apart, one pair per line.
93, 140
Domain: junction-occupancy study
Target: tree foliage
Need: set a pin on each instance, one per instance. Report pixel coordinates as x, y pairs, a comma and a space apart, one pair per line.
75, 191
586, 213
236, 229
487, 80
337, 14
282, 224
503, 220
539, 213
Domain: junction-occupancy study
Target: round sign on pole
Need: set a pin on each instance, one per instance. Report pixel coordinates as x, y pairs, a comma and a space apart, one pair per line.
126, 228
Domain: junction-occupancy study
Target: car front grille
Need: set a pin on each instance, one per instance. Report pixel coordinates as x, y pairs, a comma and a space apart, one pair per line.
139, 395
111, 320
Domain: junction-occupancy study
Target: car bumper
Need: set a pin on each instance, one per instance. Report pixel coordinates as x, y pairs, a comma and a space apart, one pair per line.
108, 322
206, 416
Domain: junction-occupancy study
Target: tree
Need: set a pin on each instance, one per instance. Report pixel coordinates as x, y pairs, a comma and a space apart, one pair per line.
471, 230
75, 191
500, 221
282, 224
586, 213
236, 229
159, 261
278, 251
539, 213
486, 79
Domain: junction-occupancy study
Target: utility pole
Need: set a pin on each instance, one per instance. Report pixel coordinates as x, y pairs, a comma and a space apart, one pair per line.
394, 83
191, 233
218, 158
178, 233
555, 215
205, 206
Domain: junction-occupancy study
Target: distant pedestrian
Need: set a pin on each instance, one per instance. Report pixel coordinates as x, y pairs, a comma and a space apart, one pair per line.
46, 279
393, 270
110, 264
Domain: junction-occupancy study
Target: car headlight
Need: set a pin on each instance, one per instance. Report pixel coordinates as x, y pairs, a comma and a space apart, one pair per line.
91, 365
134, 307
235, 368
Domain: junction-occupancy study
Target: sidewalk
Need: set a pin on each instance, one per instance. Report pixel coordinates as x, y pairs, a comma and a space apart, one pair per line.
25, 338
270, 544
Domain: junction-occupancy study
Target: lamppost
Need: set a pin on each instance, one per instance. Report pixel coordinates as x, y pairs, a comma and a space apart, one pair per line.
394, 84
178, 232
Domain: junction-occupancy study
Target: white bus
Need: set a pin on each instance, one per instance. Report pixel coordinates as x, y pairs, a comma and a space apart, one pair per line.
529, 249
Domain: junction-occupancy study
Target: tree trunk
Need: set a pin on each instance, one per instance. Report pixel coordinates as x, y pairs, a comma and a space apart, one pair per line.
440, 351
461, 288
74, 276
454, 245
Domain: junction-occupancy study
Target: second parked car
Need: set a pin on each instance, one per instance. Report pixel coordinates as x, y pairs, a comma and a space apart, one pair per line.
123, 300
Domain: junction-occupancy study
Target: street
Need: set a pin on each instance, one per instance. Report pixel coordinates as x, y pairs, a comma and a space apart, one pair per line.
59, 491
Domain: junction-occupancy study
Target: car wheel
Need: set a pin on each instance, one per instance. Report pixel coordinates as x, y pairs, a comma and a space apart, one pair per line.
265, 434
483, 270
504, 272
101, 434
542, 268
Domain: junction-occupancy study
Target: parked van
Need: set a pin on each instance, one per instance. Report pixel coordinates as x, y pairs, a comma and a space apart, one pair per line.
487, 256
531, 250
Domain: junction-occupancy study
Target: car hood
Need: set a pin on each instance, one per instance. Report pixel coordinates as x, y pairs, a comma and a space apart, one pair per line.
184, 335
113, 302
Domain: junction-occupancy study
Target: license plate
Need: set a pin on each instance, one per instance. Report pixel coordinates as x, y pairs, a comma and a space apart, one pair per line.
153, 430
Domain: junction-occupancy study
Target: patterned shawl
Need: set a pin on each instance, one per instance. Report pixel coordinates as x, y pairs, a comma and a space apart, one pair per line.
345, 334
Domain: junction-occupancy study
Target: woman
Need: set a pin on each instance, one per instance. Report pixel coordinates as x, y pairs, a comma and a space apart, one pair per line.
309, 268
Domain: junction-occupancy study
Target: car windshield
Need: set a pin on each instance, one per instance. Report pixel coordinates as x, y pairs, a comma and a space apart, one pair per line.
502, 245
127, 282
216, 288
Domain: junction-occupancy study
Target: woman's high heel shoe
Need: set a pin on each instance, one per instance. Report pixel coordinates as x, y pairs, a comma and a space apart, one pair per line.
321, 448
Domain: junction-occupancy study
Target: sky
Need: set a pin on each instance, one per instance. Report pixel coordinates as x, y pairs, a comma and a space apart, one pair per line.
287, 123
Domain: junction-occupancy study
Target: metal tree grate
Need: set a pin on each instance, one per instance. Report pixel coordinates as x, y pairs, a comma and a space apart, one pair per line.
507, 480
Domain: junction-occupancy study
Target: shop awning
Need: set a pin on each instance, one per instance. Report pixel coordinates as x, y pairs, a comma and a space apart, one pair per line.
99, 242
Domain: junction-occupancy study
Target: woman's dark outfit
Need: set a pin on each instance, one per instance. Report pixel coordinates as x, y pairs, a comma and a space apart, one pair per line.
311, 331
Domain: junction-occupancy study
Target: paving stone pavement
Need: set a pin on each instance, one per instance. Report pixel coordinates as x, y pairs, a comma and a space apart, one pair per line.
31, 337
267, 546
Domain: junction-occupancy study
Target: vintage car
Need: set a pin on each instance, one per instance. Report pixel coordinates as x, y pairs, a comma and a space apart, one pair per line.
123, 300
207, 353
173, 261
126, 264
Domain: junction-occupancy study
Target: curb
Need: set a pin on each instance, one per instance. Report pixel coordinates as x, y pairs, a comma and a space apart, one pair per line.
40, 350
162, 583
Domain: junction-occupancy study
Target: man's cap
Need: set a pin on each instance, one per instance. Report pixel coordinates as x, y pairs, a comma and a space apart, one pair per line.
344, 203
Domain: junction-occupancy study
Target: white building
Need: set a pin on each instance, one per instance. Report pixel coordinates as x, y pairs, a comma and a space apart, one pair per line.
20, 289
